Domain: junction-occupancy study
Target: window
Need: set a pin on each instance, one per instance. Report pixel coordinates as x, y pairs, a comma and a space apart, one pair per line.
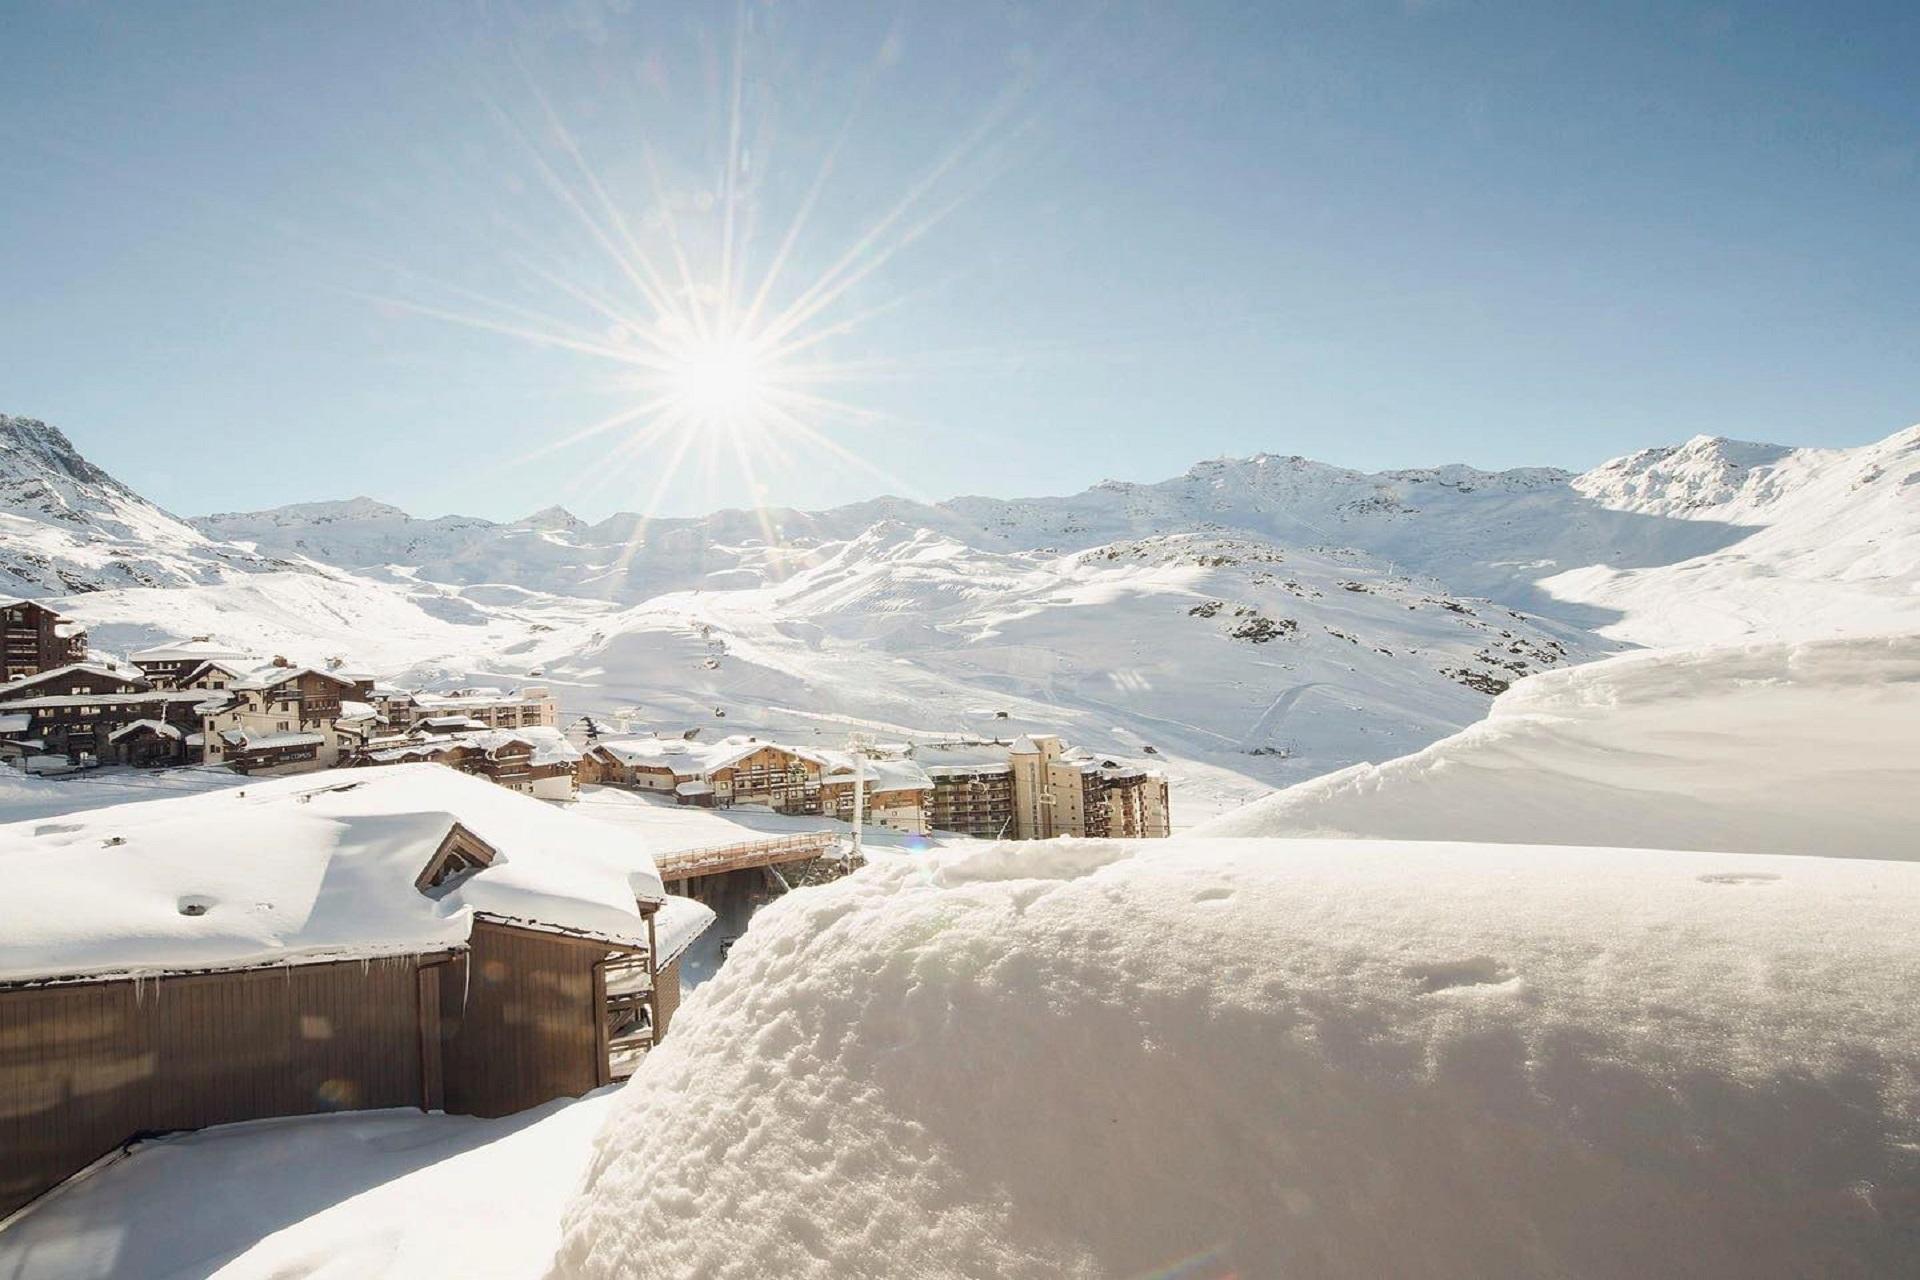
459, 856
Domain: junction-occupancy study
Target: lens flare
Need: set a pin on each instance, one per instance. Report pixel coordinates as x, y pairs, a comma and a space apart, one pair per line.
723, 382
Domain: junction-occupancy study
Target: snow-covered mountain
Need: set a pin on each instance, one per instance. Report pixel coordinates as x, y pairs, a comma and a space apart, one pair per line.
1254, 621
1831, 543
1485, 532
68, 526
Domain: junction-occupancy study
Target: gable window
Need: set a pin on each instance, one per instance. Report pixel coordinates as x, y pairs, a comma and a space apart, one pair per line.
460, 855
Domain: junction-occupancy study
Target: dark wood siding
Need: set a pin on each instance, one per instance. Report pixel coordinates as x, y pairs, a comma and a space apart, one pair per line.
666, 998
84, 1067
521, 1021
30, 643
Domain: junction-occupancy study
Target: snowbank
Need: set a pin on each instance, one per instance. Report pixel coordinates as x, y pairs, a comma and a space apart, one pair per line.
370, 1195
1311, 1058
1775, 748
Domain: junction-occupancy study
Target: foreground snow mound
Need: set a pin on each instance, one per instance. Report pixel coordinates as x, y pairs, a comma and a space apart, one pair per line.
1776, 748
1211, 1057
357, 1196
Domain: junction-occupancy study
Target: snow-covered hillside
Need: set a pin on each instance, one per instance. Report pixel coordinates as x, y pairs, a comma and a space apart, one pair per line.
1804, 747
1745, 538
66, 525
1485, 533
1256, 622
1835, 547
1315, 1059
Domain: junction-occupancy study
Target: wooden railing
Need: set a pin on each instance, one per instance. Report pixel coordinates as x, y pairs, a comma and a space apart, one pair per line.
714, 859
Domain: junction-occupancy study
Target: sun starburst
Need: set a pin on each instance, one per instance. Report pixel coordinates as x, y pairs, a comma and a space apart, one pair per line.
727, 360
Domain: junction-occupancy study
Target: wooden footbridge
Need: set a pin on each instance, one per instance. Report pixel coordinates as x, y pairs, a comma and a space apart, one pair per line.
741, 855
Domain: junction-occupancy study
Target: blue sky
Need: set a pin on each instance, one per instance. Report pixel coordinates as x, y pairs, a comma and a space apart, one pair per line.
257, 254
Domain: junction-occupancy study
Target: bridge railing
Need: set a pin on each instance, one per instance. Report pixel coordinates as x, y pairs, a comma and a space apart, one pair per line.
713, 859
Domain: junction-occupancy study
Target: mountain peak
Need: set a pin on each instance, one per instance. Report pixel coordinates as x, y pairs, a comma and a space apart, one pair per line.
82, 530
553, 519
30, 446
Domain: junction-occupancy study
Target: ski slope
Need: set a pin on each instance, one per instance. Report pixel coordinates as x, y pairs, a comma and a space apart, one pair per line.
1806, 747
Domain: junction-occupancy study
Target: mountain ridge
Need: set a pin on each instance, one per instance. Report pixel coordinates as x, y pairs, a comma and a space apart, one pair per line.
67, 525
1253, 621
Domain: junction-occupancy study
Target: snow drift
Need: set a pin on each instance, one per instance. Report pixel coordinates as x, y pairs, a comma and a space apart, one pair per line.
1775, 748
1214, 1057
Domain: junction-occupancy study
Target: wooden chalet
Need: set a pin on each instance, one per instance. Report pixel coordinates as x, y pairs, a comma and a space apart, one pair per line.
388, 937
80, 711
538, 761
736, 770
281, 717
34, 638
747, 771
898, 793
168, 665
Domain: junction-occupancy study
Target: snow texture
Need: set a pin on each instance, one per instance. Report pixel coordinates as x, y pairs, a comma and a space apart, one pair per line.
1302, 1058
311, 867
371, 1195
1770, 748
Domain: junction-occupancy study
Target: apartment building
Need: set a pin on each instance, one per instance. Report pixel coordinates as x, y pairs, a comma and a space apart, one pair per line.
1060, 790
972, 790
34, 638
527, 708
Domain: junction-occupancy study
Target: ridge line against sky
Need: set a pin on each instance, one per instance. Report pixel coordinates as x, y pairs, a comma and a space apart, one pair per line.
1122, 238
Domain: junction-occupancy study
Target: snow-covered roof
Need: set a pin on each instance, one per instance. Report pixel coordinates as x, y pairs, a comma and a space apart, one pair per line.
15, 722
677, 925
967, 757
72, 669
273, 675
244, 741
229, 666
546, 745
314, 867
186, 650
452, 722
160, 727
696, 759
144, 697
693, 789
881, 775
480, 697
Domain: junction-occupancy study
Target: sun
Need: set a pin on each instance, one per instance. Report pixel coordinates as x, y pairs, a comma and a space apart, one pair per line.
733, 337
720, 381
